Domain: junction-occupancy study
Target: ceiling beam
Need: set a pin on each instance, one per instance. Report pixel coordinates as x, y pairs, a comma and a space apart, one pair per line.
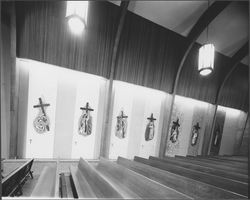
205, 19
106, 133
235, 60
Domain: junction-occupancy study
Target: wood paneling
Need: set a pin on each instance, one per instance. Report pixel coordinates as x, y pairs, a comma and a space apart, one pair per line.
43, 35
5, 83
203, 88
235, 91
148, 54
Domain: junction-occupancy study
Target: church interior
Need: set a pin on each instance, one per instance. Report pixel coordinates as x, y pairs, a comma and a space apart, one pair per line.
124, 99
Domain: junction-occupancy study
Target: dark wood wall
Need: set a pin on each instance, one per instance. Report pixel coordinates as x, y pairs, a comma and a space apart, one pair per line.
148, 54
43, 35
5, 61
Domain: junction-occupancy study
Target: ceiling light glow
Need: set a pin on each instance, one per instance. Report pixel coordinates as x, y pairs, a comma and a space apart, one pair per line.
76, 14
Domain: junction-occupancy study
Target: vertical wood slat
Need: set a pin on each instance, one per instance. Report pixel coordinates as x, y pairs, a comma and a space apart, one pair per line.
14, 87
5, 80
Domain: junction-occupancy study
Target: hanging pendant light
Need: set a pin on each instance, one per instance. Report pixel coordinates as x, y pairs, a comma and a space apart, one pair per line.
206, 57
76, 14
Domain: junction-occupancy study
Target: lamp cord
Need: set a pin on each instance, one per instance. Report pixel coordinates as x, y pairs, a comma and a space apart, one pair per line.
208, 24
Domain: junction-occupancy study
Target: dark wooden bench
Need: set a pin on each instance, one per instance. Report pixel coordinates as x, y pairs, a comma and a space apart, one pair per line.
209, 164
228, 159
211, 170
234, 158
238, 165
89, 183
13, 182
190, 187
134, 185
240, 189
48, 183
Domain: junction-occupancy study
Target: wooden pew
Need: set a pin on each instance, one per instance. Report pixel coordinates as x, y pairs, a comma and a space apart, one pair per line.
234, 158
190, 187
218, 172
208, 164
226, 158
48, 183
240, 189
82, 188
230, 159
238, 165
90, 184
134, 185
13, 182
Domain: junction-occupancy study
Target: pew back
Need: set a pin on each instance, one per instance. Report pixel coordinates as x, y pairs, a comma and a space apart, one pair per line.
13, 182
190, 187
130, 182
100, 186
48, 183
241, 189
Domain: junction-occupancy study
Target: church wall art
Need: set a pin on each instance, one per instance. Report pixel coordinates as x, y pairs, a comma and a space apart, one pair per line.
175, 131
85, 121
136, 121
121, 120
121, 125
197, 129
41, 122
217, 132
88, 109
184, 129
150, 128
54, 121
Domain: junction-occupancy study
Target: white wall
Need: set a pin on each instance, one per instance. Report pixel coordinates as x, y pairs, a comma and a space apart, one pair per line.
66, 91
137, 103
42, 84
232, 130
189, 112
88, 90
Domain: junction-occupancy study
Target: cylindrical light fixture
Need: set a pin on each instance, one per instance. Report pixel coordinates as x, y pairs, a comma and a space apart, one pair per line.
206, 59
76, 14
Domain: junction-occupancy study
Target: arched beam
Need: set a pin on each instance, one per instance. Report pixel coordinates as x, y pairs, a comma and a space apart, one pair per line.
105, 137
235, 60
205, 19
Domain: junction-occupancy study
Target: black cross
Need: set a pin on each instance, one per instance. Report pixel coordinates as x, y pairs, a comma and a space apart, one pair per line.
122, 116
151, 118
41, 105
197, 127
87, 108
177, 122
